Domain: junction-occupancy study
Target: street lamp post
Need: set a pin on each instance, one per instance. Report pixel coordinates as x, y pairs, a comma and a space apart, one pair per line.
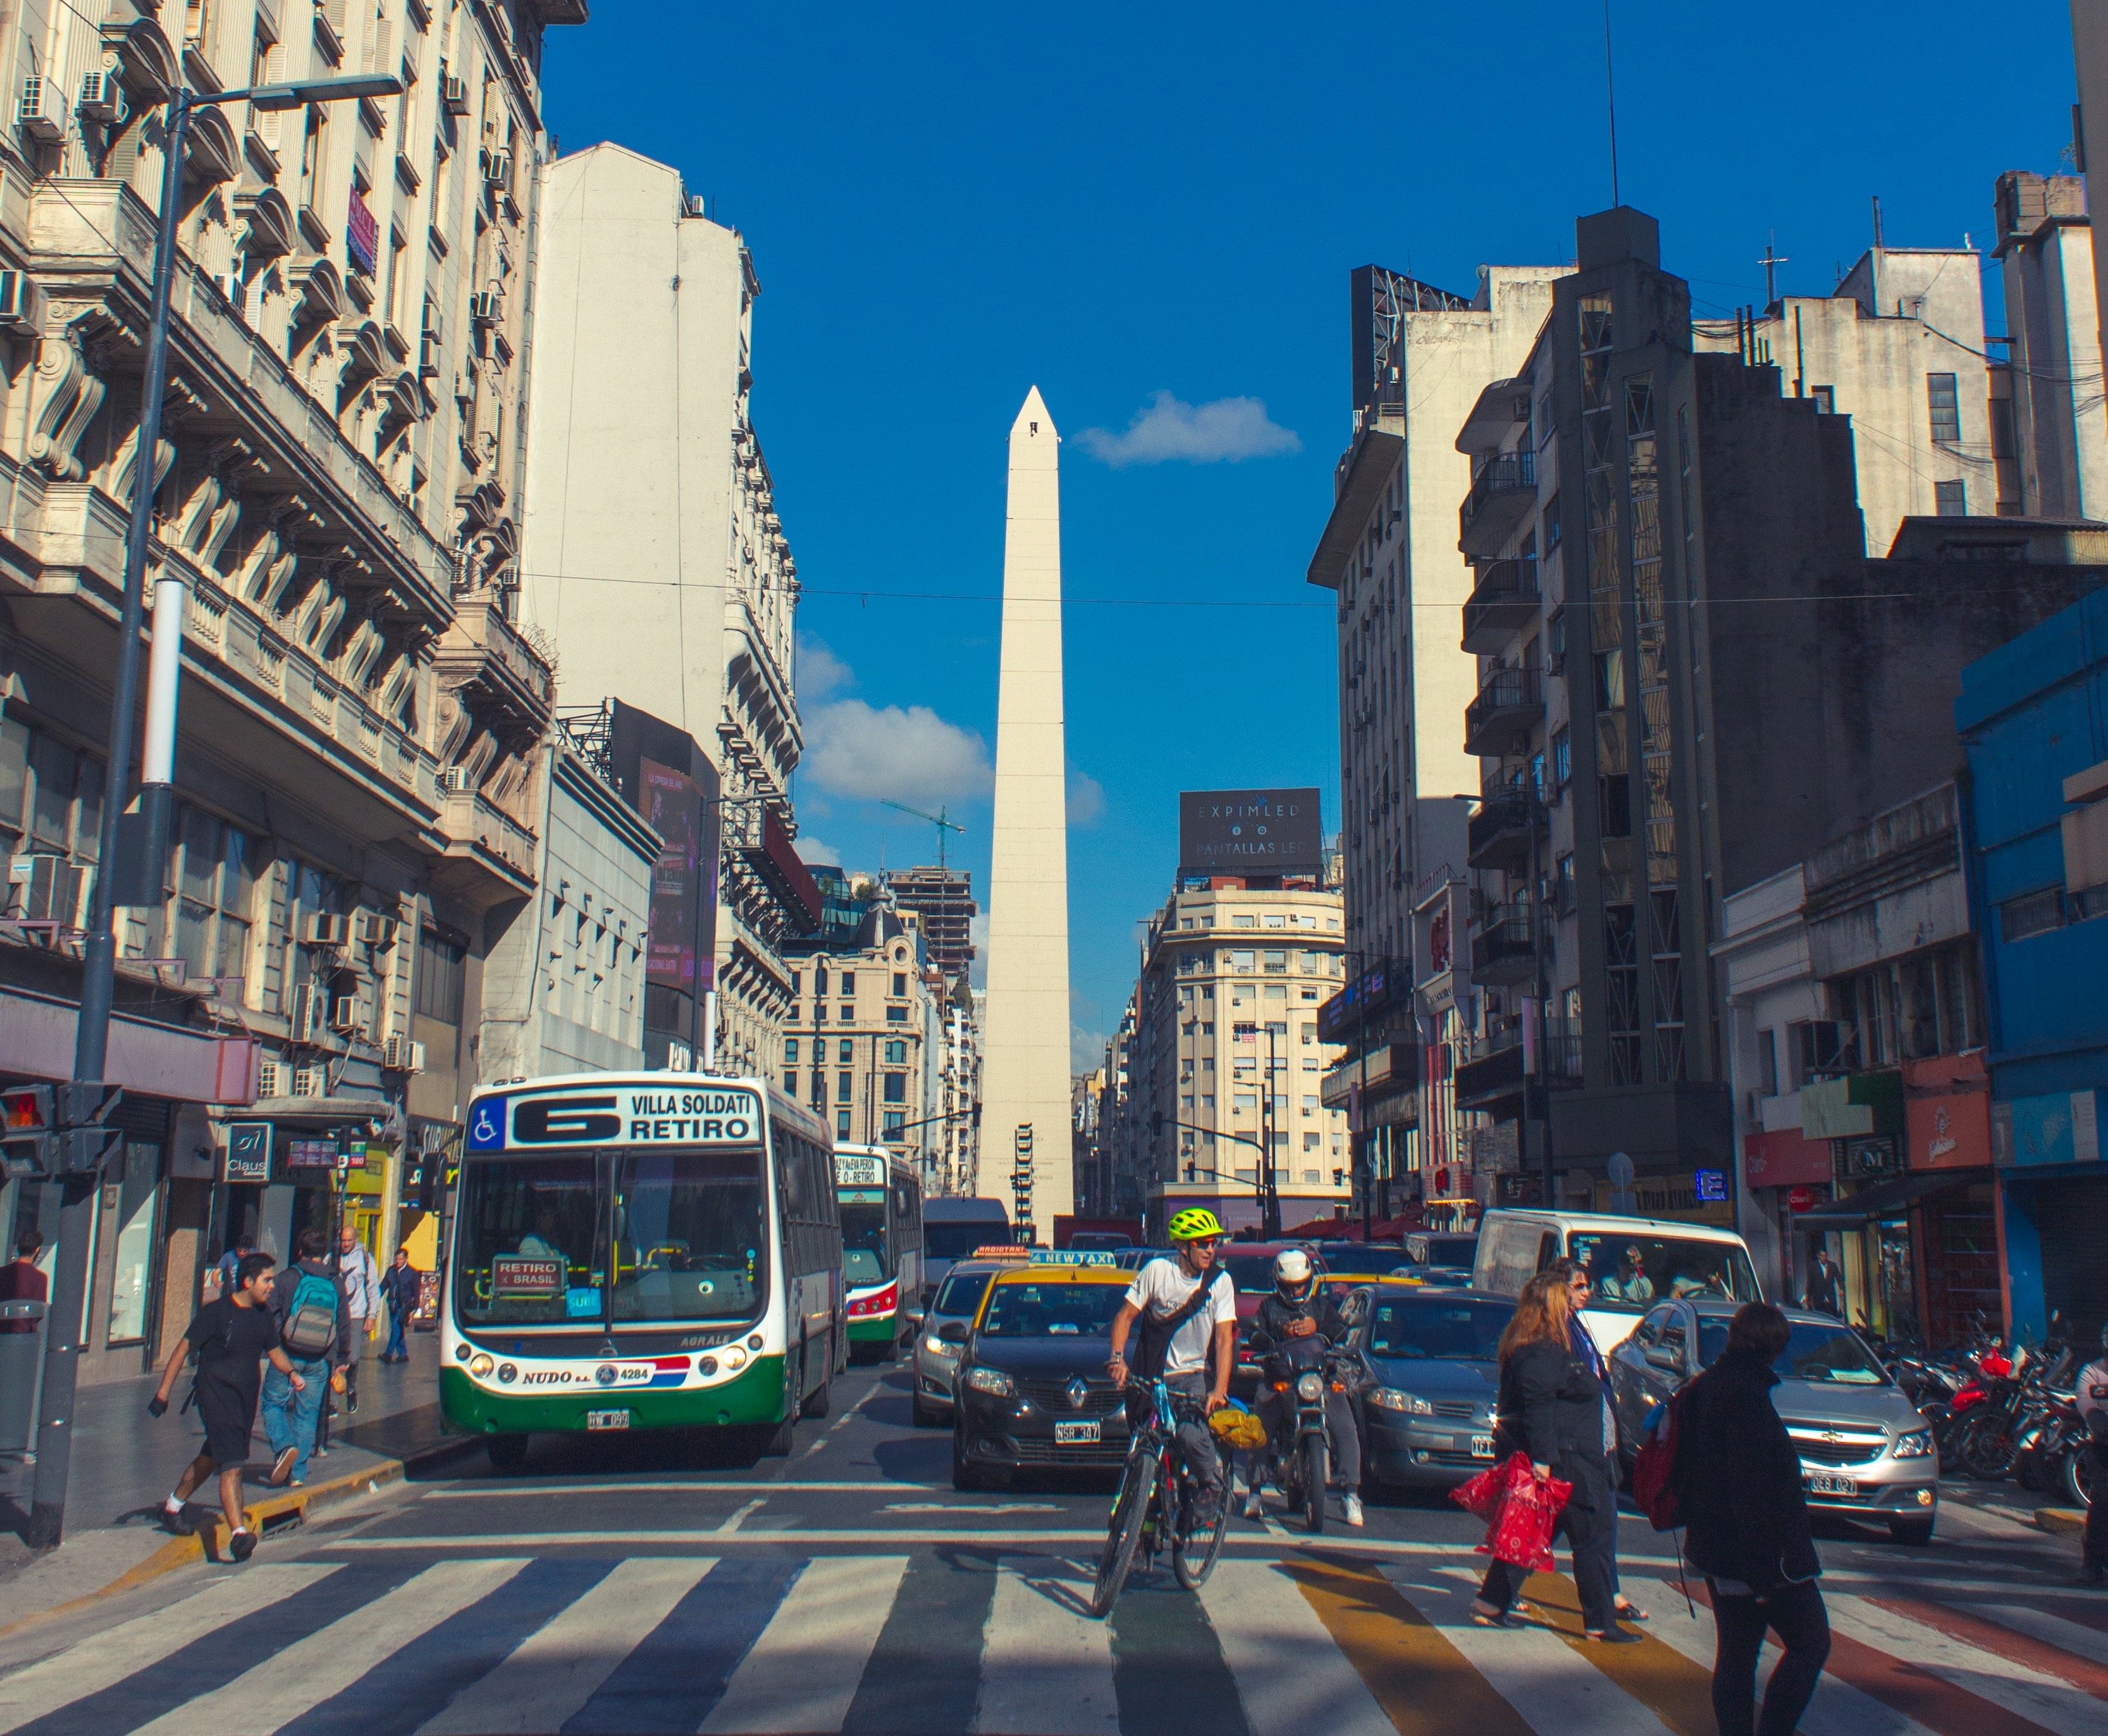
156, 793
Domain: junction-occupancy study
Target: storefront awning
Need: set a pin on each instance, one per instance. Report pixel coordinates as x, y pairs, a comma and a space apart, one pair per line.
1889, 1199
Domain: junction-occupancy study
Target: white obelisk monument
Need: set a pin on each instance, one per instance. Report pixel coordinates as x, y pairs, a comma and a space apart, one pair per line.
1024, 1076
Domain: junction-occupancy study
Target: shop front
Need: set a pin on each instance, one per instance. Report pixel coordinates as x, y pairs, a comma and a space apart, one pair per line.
322, 1167
2052, 1200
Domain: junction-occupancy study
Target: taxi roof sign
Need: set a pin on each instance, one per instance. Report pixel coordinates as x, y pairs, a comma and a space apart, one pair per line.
1071, 1257
1003, 1251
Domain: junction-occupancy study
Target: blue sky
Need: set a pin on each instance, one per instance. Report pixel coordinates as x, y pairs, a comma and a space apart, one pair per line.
949, 204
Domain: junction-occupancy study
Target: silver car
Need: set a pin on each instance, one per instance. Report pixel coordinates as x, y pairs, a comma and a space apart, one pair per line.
934, 1365
1864, 1449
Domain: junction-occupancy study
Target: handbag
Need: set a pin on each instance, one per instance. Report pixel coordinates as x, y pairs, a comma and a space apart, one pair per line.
1521, 1509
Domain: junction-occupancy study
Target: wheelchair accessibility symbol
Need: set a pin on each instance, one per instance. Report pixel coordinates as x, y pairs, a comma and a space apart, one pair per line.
486, 1127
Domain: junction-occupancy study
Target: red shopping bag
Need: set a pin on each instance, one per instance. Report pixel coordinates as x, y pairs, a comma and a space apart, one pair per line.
1520, 1512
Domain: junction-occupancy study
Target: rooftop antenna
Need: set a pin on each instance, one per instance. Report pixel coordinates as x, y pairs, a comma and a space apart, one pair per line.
1610, 94
1771, 262
1877, 220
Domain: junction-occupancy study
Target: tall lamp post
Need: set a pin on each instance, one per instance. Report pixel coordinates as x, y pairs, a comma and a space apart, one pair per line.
47, 1524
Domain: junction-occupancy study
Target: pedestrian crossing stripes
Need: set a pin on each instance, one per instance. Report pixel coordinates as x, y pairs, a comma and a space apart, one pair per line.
970, 1642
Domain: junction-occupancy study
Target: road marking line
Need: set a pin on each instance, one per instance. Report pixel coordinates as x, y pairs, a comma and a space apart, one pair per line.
2024, 1692
802, 1672
969, 1507
687, 1486
555, 1670
328, 1661
1678, 1692
2073, 1637
1046, 1666
1292, 1658
101, 1660
742, 1516
2020, 1648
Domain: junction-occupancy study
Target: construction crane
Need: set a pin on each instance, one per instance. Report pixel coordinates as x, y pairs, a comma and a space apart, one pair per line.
937, 820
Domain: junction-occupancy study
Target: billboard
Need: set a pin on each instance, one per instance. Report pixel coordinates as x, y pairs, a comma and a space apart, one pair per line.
674, 808
1249, 831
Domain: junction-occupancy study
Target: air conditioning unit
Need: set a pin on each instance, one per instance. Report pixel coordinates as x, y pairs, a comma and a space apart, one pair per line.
102, 98
453, 92
307, 1023
399, 1055
497, 169
483, 307
37, 113
46, 889
325, 930
456, 780
375, 929
428, 355
270, 1079
21, 303
344, 1014
311, 1081
692, 205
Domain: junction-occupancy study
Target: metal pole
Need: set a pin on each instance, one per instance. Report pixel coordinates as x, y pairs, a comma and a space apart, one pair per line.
1359, 1152
62, 1345
1539, 810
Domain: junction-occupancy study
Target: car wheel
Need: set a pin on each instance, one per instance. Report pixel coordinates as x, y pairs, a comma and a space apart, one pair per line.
1915, 1533
507, 1453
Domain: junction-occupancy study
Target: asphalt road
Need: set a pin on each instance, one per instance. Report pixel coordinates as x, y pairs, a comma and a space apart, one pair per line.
630, 1584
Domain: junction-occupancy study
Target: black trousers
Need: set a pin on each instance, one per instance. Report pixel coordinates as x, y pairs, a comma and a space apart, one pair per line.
2096, 1550
1592, 1534
1796, 1615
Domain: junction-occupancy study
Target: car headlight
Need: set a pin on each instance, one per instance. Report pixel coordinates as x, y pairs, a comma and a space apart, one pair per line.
1916, 1444
992, 1381
937, 1347
1309, 1387
481, 1364
1389, 1398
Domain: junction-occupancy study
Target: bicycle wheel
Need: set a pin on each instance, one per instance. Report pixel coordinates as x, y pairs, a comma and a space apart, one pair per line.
1193, 1559
1315, 1471
2075, 1475
1124, 1532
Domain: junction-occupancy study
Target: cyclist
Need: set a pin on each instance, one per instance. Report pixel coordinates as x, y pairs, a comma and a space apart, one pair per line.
1297, 1309
1188, 1310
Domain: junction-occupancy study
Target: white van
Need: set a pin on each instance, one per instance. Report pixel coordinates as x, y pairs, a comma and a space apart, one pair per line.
1633, 1262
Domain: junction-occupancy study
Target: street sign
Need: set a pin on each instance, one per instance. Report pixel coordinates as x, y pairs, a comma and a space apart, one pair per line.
1712, 1184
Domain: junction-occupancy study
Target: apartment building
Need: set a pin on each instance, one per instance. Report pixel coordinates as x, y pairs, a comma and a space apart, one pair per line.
943, 899
656, 556
359, 757
2052, 416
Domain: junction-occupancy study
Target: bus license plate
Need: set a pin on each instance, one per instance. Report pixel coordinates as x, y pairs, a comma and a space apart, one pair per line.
1822, 1483
607, 1420
1482, 1447
1076, 1434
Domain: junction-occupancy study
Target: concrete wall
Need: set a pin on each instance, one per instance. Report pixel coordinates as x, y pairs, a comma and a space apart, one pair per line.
2059, 415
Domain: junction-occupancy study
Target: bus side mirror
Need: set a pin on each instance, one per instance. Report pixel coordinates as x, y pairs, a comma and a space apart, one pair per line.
913, 1316
952, 1332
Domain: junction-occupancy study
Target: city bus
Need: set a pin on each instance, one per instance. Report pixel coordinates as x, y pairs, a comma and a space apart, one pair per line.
954, 1225
641, 1251
881, 1206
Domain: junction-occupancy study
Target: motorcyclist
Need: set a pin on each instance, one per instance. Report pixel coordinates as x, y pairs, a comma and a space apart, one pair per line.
1297, 1309
2090, 1396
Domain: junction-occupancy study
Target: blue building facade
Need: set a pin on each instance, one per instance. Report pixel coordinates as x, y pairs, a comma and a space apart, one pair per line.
2032, 716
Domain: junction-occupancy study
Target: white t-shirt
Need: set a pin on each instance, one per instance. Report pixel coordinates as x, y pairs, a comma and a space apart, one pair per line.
1161, 1288
2092, 1375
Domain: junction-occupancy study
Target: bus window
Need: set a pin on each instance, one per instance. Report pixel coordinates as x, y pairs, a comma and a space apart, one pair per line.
531, 1249
689, 1239
866, 1255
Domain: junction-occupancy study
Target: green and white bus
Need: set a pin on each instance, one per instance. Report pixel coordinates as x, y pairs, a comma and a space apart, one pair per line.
881, 1206
641, 1251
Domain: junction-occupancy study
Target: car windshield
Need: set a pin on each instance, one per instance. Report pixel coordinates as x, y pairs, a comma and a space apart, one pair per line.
1412, 1330
1061, 1309
1446, 1250
688, 1235
962, 1294
1629, 1273
1825, 1354
958, 1241
1252, 1274
863, 1236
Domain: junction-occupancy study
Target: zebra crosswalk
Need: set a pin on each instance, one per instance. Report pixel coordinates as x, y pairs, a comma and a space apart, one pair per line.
979, 1644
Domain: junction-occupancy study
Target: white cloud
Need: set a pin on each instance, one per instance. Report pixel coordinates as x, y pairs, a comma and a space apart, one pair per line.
1086, 799
812, 852
1087, 1046
819, 672
894, 753
977, 931
1227, 430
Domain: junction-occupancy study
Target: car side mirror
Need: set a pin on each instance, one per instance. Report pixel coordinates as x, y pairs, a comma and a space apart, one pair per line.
1355, 1309
1661, 1357
952, 1332
913, 1316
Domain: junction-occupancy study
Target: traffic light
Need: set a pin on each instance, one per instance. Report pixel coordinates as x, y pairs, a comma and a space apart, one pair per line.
28, 1138
47, 1131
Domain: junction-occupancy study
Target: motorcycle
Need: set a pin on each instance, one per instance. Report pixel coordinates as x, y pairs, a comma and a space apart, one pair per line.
1306, 1371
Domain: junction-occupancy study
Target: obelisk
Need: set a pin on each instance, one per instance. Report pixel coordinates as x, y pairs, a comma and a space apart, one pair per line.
1025, 1076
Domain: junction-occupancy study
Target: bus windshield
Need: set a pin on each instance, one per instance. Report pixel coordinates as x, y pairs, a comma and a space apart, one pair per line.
958, 1241
1631, 1273
866, 1259
625, 1237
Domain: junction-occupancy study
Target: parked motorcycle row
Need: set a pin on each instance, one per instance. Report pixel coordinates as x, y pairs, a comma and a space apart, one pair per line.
2001, 1411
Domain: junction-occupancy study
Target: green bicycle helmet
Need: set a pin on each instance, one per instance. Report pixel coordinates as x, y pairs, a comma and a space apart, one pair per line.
1195, 1222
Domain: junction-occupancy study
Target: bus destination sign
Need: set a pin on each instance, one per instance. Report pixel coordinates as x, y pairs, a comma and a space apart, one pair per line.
851, 1171
654, 1114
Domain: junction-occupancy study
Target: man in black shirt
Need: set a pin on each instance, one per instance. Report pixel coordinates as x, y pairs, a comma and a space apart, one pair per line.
1297, 1309
232, 1336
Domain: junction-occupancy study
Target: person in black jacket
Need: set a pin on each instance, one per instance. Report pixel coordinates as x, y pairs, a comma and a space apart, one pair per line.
1297, 1309
1737, 1481
1550, 1406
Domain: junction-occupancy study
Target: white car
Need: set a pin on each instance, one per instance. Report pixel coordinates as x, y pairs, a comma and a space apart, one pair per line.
934, 1365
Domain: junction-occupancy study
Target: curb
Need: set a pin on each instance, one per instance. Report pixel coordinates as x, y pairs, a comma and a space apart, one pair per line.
2067, 1521
274, 1513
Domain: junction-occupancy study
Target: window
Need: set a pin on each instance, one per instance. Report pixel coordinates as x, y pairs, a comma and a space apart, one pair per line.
896, 1120
849, 985
1562, 884
1277, 963
442, 976
896, 1015
789, 1084
848, 1015
844, 1087
841, 1124
797, 984
312, 155
790, 1050
1946, 405
1767, 1064
900, 982
845, 1051
1826, 399
1562, 757
896, 1053
2036, 913
1550, 537
1242, 960
1950, 499
1244, 922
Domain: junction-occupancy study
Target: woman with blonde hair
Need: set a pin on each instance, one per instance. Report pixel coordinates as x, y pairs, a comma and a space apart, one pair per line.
1551, 1407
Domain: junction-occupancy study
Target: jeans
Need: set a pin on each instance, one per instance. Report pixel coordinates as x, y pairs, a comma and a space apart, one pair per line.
1277, 1411
1196, 1443
397, 1320
2095, 1551
289, 1417
1796, 1615
1590, 1522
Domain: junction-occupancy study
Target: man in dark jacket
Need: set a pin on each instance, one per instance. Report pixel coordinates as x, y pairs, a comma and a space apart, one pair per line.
316, 1346
401, 1286
1297, 1309
1746, 1529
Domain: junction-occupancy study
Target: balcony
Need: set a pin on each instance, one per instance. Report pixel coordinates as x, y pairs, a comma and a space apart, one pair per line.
1393, 1067
482, 655
1498, 836
481, 836
1504, 598
1501, 950
1511, 701
1498, 1064
1503, 492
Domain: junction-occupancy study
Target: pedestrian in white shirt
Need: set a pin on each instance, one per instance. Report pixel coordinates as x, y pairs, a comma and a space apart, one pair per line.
362, 1290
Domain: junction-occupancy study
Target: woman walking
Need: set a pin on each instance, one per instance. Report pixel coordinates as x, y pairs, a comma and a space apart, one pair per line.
1746, 1530
1550, 1406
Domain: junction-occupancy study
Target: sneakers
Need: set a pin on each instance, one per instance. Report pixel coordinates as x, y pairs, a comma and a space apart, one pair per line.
242, 1545
178, 1520
282, 1467
1615, 1636
1354, 1514
1254, 1507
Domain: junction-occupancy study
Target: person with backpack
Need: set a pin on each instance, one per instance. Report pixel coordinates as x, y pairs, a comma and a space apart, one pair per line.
1736, 1478
313, 1320
231, 1337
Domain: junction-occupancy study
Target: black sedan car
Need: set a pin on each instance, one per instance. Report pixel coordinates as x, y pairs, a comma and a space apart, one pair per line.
1430, 1367
1031, 1393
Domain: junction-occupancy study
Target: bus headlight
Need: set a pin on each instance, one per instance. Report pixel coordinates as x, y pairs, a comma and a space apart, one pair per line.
481, 1364
993, 1380
1407, 1404
734, 1357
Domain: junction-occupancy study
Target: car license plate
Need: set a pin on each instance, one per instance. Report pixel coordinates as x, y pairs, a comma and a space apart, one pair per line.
607, 1420
1824, 1483
1076, 1434
1482, 1447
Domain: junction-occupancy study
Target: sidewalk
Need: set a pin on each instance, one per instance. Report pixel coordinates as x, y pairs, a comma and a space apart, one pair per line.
125, 1462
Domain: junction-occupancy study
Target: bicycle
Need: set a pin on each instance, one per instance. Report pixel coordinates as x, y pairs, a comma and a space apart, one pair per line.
1159, 1493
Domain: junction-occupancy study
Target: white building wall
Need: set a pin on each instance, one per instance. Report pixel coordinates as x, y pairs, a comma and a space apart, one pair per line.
2060, 411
